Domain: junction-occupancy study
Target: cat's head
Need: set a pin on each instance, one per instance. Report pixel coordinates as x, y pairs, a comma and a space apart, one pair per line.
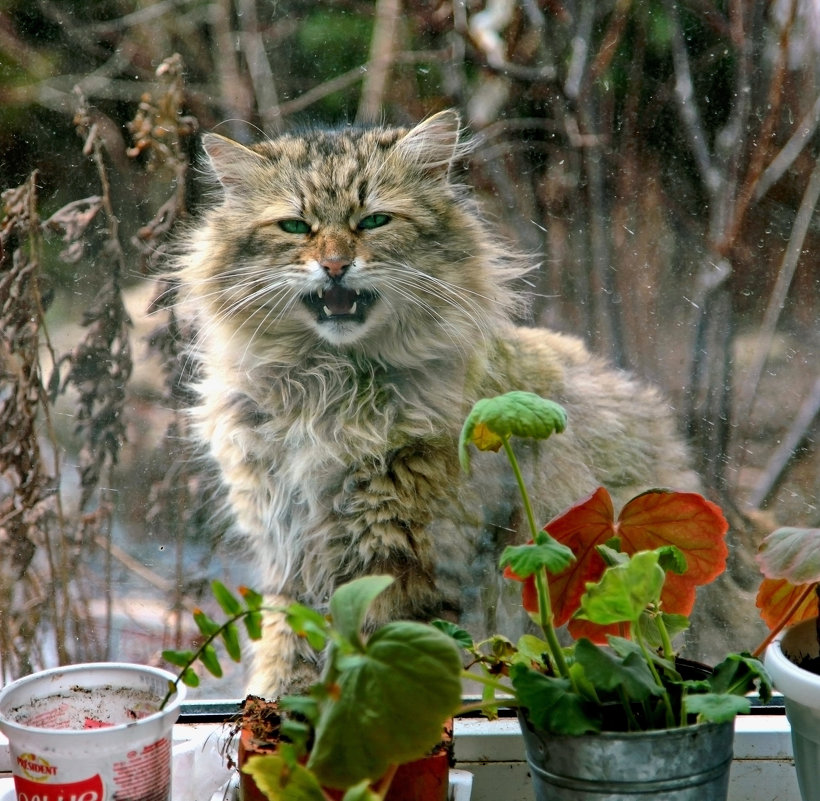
356, 237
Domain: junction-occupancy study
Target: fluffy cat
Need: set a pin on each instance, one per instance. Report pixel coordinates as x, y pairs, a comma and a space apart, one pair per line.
350, 307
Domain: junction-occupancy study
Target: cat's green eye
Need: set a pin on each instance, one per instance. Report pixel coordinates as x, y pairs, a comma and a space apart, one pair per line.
294, 226
373, 221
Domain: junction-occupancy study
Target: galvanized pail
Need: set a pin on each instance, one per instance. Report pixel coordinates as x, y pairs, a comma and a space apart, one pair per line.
686, 764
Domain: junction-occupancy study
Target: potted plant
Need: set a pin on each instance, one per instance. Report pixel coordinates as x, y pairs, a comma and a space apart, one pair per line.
789, 559
382, 701
614, 713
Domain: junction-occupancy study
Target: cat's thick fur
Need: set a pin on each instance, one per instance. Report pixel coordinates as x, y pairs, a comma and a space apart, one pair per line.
350, 307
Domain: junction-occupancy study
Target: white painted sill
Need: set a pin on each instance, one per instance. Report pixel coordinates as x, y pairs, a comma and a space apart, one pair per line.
493, 751
762, 770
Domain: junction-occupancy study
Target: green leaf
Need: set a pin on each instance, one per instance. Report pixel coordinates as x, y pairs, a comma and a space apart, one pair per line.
740, 674
489, 707
230, 637
624, 591
253, 600
280, 781
612, 556
227, 601
624, 647
298, 733
308, 623
500, 647
552, 705
179, 658
461, 636
671, 559
390, 704
715, 707
546, 553
648, 624
253, 625
532, 649
610, 672
350, 602
189, 678
210, 660
207, 625
521, 414
303, 705
791, 553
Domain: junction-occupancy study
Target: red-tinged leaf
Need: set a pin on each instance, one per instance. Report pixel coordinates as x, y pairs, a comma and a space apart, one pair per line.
678, 596
578, 629
653, 519
792, 554
684, 519
775, 597
588, 523
529, 594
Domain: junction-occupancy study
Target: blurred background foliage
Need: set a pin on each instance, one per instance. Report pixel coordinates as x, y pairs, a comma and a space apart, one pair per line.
658, 158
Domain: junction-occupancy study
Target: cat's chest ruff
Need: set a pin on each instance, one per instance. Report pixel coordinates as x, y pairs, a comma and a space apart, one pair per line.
318, 416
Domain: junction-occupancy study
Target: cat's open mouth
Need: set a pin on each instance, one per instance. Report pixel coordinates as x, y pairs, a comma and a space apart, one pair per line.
339, 302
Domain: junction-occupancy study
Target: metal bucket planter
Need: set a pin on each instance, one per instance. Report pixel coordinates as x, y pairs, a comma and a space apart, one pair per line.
687, 764
801, 691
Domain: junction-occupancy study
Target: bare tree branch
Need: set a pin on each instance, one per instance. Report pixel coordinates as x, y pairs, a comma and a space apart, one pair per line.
782, 457
259, 70
802, 135
382, 47
777, 300
685, 95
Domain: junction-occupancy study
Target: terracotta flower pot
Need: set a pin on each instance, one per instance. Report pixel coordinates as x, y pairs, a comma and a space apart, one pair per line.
425, 779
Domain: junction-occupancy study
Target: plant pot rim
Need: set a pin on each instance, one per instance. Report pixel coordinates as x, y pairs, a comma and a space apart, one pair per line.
648, 734
796, 683
59, 678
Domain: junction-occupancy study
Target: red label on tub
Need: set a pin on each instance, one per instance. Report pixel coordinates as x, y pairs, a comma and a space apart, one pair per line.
39, 790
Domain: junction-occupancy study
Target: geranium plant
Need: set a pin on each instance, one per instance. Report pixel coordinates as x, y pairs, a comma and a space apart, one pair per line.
382, 699
624, 585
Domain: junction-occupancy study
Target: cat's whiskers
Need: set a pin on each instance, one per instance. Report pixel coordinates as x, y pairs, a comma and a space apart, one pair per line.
231, 301
465, 301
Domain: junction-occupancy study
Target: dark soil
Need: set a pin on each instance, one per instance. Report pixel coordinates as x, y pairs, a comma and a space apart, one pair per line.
810, 663
263, 720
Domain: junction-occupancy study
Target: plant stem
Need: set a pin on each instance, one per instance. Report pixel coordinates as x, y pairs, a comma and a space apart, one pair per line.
671, 721
632, 721
668, 650
541, 582
489, 682
522, 488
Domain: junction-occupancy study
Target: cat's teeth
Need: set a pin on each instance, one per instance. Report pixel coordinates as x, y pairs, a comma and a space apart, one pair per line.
320, 292
358, 292
328, 312
352, 309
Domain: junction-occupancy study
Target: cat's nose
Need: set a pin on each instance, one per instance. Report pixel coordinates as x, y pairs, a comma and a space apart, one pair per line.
335, 266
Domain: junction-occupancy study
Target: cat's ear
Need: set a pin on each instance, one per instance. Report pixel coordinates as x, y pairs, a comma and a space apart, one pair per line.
433, 144
232, 163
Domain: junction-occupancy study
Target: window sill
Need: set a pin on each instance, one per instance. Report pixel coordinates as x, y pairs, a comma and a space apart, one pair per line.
492, 751
762, 769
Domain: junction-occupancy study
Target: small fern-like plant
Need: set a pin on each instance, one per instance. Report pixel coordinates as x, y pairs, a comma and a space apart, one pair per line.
246, 610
